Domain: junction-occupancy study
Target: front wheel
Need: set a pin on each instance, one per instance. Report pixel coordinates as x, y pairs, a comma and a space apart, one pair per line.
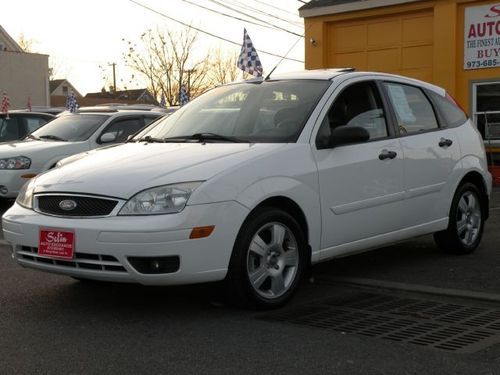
466, 222
268, 260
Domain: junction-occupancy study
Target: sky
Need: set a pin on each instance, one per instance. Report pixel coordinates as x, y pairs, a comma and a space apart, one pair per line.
84, 37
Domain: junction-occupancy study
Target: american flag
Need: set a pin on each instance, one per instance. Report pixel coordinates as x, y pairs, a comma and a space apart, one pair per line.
29, 104
183, 95
71, 104
249, 59
162, 101
5, 105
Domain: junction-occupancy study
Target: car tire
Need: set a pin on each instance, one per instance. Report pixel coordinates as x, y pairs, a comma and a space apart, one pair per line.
466, 222
268, 261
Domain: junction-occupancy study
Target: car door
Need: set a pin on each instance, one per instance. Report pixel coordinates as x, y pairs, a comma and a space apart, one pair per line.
361, 184
430, 153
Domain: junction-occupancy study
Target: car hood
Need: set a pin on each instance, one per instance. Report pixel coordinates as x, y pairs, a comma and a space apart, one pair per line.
33, 148
124, 170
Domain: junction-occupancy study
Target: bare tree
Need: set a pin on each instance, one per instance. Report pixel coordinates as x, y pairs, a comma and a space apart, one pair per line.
223, 68
25, 43
167, 60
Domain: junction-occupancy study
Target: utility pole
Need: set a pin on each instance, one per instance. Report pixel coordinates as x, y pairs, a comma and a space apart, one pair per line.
189, 71
114, 77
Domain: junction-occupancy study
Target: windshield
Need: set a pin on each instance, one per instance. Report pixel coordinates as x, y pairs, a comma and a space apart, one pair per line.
269, 111
74, 127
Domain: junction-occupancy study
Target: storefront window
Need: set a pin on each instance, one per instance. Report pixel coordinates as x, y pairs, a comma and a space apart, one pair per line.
487, 109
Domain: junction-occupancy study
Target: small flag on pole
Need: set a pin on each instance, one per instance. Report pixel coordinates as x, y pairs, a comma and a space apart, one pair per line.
71, 104
28, 105
162, 101
183, 95
249, 60
5, 105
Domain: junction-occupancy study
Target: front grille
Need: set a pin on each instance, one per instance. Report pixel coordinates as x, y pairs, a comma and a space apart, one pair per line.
84, 206
95, 262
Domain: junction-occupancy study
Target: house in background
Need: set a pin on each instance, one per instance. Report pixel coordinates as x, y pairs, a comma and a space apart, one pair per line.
60, 89
23, 75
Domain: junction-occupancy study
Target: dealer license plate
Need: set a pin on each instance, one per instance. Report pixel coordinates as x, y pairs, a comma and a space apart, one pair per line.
56, 244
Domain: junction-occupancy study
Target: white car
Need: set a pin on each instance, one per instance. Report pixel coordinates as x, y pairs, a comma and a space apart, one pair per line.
253, 182
67, 135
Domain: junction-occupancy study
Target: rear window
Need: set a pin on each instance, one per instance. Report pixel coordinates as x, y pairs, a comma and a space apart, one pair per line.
451, 113
9, 129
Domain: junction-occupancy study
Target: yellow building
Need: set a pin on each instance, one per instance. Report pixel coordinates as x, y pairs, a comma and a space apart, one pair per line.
452, 43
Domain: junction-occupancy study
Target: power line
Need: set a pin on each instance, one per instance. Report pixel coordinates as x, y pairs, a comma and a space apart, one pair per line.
206, 32
250, 16
275, 7
229, 15
253, 9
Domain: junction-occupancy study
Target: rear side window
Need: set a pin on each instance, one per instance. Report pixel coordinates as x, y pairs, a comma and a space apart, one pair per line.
414, 112
452, 114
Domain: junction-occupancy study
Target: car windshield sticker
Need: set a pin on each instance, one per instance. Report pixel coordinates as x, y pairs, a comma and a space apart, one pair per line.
400, 101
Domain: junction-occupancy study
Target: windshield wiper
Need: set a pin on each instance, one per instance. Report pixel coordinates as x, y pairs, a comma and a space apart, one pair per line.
31, 136
148, 139
53, 137
202, 137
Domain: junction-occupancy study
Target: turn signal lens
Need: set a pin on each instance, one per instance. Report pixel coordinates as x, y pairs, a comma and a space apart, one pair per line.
201, 232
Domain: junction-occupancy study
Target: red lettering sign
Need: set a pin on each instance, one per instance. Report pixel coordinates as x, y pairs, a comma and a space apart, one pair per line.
56, 244
494, 11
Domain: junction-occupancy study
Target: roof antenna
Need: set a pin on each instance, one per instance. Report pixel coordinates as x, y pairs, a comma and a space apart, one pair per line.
284, 57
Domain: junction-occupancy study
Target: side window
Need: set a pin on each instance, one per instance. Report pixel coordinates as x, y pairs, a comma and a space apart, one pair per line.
414, 112
123, 128
358, 105
33, 123
452, 114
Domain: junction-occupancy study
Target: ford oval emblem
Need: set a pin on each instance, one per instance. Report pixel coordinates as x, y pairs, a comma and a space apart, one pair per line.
67, 205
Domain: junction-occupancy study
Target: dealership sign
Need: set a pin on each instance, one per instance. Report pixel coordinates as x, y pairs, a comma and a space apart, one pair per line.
482, 37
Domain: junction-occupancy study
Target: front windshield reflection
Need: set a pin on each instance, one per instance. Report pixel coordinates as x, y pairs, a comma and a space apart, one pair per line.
269, 111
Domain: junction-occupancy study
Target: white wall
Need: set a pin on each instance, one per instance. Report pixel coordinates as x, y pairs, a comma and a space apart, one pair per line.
24, 75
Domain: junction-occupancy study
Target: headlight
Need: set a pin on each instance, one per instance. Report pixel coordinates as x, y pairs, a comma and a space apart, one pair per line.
166, 199
18, 162
25, 196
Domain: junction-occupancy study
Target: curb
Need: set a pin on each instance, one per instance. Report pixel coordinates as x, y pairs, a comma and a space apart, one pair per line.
379, 284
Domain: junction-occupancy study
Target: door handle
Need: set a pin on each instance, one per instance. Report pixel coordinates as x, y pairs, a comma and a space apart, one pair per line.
385, 154
445, 142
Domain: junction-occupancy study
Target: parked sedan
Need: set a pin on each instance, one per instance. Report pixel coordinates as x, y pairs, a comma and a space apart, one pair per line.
64, 136
19, 124
253, 182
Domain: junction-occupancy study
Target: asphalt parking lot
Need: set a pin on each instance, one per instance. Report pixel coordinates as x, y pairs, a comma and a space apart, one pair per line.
404, 309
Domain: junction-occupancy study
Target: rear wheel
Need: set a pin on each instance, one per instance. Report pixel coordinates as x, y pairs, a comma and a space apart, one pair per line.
268, 260
466, 222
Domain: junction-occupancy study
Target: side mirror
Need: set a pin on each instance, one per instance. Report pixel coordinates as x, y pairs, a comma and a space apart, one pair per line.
343, 135
107, 138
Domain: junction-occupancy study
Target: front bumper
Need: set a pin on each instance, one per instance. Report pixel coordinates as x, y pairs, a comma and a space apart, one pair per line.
103, 246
